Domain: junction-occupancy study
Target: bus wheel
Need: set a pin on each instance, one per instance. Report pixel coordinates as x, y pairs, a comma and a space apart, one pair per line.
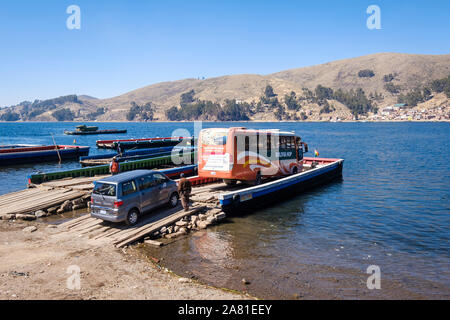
229, 183
258, 179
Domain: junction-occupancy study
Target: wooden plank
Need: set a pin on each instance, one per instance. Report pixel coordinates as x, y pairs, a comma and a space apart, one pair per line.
156, 226
74, 221
85, 224
39, 203
20, 195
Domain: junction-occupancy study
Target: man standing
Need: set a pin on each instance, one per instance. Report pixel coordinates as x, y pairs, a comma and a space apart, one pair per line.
184, 189
114, 167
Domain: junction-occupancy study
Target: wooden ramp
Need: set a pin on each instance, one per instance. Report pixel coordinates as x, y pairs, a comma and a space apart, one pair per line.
102, 232
46, 195
32, 200
119, 235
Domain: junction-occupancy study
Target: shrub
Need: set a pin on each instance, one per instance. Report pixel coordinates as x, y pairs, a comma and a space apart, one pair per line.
388, 77
392, 88
10, 116
366, 73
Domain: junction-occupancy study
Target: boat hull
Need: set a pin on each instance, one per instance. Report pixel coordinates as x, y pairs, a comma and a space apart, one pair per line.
84, 133
42, 154
248, 199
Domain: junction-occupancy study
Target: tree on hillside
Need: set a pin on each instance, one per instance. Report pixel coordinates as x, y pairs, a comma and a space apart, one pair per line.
441, 85
388, 77
392, 88
291, 101
366, 73
10, 116
173, 114
268, 92
138, 112
187, 97
323, 93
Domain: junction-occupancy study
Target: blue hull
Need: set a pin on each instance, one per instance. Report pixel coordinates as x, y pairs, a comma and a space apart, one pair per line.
42, 156
262, 195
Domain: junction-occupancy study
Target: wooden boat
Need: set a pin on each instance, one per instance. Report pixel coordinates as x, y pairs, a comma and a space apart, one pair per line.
20, 154
138, 154
85, 130
143, 143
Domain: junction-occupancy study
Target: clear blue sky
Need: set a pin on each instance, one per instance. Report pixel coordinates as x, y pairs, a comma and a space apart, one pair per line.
125, 45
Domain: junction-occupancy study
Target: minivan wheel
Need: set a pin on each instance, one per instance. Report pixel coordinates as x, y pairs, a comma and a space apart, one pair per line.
132, 217
173, 201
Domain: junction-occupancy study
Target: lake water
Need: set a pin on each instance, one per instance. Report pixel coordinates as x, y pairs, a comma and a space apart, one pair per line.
391, 210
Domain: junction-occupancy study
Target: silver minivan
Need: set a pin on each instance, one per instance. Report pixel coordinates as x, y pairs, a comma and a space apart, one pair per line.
124, 197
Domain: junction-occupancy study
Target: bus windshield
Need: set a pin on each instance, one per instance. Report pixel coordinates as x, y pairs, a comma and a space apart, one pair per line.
214, 137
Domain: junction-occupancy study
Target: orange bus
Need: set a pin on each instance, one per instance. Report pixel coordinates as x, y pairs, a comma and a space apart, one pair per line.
248, 155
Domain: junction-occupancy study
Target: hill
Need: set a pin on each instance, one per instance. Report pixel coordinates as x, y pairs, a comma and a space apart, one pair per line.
383, 77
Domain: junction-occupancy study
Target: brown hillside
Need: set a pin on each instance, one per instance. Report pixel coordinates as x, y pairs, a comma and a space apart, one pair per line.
410, 71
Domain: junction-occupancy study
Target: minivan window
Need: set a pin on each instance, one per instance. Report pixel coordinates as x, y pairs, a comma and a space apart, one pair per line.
159, 178
105, 189
146, 182
128, 187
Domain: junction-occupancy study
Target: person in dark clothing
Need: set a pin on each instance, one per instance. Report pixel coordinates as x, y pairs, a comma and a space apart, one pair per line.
114, 167
119, 149
184, 190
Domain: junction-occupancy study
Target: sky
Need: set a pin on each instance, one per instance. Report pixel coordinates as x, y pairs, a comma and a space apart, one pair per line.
125, 45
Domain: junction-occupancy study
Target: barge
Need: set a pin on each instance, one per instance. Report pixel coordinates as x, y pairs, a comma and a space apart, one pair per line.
23, 154
316, 171
85, 130
142, 143
139, 154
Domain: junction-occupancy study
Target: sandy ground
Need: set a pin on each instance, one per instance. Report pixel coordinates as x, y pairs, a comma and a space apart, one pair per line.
35, 265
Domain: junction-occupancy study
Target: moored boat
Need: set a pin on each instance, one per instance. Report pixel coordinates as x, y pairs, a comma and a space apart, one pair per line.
33, 154
142, 143
85, 130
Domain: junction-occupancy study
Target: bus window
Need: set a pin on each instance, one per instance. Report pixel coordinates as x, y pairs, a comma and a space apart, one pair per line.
257, 143
283, 143
290, 142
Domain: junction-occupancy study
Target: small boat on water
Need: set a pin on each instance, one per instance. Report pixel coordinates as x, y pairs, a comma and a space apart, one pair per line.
144, 143
85, 130
22, 154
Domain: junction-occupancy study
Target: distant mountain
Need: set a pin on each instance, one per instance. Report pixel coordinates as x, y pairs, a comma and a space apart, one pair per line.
382, 77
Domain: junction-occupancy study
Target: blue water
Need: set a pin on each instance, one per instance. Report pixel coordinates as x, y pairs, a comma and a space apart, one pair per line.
391, 209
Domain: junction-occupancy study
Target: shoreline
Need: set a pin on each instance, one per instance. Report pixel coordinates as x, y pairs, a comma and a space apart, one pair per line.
243, 121
35, 266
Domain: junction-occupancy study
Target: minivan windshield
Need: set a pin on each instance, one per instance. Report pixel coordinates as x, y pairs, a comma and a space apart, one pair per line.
105, 189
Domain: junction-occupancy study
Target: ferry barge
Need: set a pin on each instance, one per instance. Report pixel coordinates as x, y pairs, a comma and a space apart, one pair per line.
316, 171
85, 130
25, 154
